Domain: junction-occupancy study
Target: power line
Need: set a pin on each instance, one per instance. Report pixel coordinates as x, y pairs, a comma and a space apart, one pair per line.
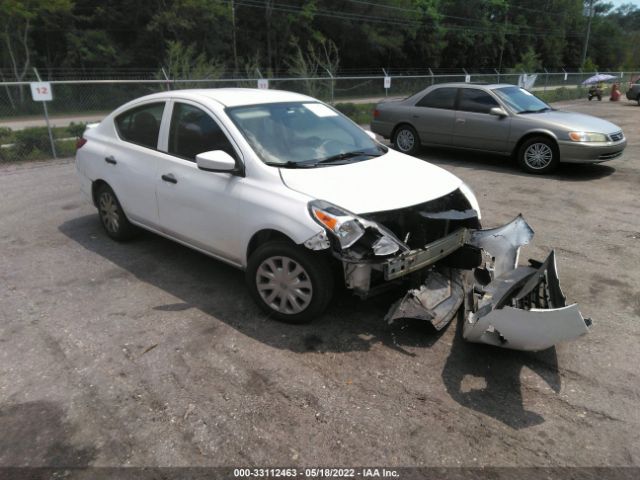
395, 21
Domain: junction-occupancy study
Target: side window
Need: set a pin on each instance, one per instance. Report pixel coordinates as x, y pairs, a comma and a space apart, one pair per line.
474, 100
141, 125
193, 131
439, 98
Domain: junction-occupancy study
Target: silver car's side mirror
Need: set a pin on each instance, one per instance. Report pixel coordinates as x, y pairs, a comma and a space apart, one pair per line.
498, 112
215, 161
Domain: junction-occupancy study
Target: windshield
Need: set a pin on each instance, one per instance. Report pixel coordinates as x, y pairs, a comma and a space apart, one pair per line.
302, 134
521, 101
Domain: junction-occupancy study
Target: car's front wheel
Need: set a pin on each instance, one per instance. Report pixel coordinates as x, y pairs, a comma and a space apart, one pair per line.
638, 99
112, 216
406, 140
538, 155
289, 282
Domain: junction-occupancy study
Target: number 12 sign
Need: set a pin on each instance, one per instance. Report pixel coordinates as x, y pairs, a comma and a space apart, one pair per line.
41, 91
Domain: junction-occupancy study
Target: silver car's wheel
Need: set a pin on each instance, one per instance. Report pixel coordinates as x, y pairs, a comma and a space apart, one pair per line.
538, 156
284, 285
406, 139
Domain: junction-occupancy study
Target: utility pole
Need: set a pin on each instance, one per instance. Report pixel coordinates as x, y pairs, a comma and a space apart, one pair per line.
586, 38
504, 39
233, 31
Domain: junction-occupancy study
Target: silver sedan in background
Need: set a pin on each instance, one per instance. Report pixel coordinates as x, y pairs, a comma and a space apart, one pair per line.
502, 119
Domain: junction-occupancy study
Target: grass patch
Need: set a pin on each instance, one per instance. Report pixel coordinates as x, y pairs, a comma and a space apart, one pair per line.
33, 143
361, 113
562, 94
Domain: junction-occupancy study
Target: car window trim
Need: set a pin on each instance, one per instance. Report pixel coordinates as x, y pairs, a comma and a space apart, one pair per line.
459, 100
455, 100
135, 107
240, 164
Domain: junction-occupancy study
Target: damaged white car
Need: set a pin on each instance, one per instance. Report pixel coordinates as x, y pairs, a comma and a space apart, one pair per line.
288, 189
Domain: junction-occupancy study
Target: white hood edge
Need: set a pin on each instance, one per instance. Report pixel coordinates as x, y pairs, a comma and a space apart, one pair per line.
388, 182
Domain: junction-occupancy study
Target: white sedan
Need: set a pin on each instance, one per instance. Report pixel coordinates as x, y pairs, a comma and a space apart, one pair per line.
286, 188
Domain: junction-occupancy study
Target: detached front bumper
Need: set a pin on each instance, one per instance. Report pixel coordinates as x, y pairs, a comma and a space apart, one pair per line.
505, 305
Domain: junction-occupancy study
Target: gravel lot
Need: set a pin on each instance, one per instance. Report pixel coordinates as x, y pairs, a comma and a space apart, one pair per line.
148, 353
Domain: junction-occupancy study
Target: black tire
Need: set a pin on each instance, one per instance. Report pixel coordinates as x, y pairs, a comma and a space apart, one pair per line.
538, 155
638, 99
406, 140
112, 216
316, 272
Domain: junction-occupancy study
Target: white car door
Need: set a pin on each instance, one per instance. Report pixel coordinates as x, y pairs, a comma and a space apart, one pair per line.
131, 161
197, 206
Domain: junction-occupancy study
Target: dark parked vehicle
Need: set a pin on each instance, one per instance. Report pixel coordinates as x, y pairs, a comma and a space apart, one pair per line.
634, 92
502, 119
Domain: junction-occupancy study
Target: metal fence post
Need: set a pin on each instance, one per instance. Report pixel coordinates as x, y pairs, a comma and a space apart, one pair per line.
46, 119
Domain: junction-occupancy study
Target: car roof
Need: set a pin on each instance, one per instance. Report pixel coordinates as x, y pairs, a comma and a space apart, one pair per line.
487, 86
233, 97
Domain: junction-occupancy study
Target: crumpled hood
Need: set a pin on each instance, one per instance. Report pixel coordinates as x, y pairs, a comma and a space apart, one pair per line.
577, 122
389, 182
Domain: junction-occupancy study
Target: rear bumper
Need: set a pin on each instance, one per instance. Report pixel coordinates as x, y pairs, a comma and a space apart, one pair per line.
574, 152
384, 129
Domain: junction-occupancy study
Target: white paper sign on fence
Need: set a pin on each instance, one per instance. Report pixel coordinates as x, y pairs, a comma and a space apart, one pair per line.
263, 83
41, 91
387, 82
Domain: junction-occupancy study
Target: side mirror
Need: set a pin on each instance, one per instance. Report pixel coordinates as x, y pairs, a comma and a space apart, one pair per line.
371, 134
498, 112
215, 161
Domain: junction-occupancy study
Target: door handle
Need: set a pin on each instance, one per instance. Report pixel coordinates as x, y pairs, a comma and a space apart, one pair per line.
110, 160
169, 178
460, 120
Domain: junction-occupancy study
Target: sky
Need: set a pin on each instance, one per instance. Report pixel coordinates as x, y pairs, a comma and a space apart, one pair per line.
617, 3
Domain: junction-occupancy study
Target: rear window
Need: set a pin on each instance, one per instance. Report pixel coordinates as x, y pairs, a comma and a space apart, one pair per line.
141, 125
444, 97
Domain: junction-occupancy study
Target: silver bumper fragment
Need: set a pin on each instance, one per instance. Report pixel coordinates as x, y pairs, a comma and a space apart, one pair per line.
436, 301
524, 309
521, 308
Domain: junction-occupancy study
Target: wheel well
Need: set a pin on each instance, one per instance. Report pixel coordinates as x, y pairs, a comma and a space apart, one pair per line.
95, 186
264, 236
531, 135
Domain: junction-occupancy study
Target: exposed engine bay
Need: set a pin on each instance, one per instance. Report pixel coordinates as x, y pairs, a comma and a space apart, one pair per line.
440, 251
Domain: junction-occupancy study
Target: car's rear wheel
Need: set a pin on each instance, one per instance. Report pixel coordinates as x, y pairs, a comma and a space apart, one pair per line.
112, 217
538, 155
288, 282
406, 140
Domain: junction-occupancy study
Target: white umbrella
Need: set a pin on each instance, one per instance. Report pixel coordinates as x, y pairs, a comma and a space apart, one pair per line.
601, 77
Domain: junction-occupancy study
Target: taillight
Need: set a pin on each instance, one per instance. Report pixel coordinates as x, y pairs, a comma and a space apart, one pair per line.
376, 113
80, 142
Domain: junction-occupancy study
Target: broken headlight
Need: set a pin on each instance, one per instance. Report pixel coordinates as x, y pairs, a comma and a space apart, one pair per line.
341, 223
348, 228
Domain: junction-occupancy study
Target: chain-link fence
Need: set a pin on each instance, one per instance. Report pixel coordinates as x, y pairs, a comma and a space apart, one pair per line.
82, 101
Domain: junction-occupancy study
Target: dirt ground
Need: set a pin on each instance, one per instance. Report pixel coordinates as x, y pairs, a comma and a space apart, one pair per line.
150, 354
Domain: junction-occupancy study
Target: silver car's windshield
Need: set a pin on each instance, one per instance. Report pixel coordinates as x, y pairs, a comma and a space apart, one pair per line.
521, 101
302, 134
